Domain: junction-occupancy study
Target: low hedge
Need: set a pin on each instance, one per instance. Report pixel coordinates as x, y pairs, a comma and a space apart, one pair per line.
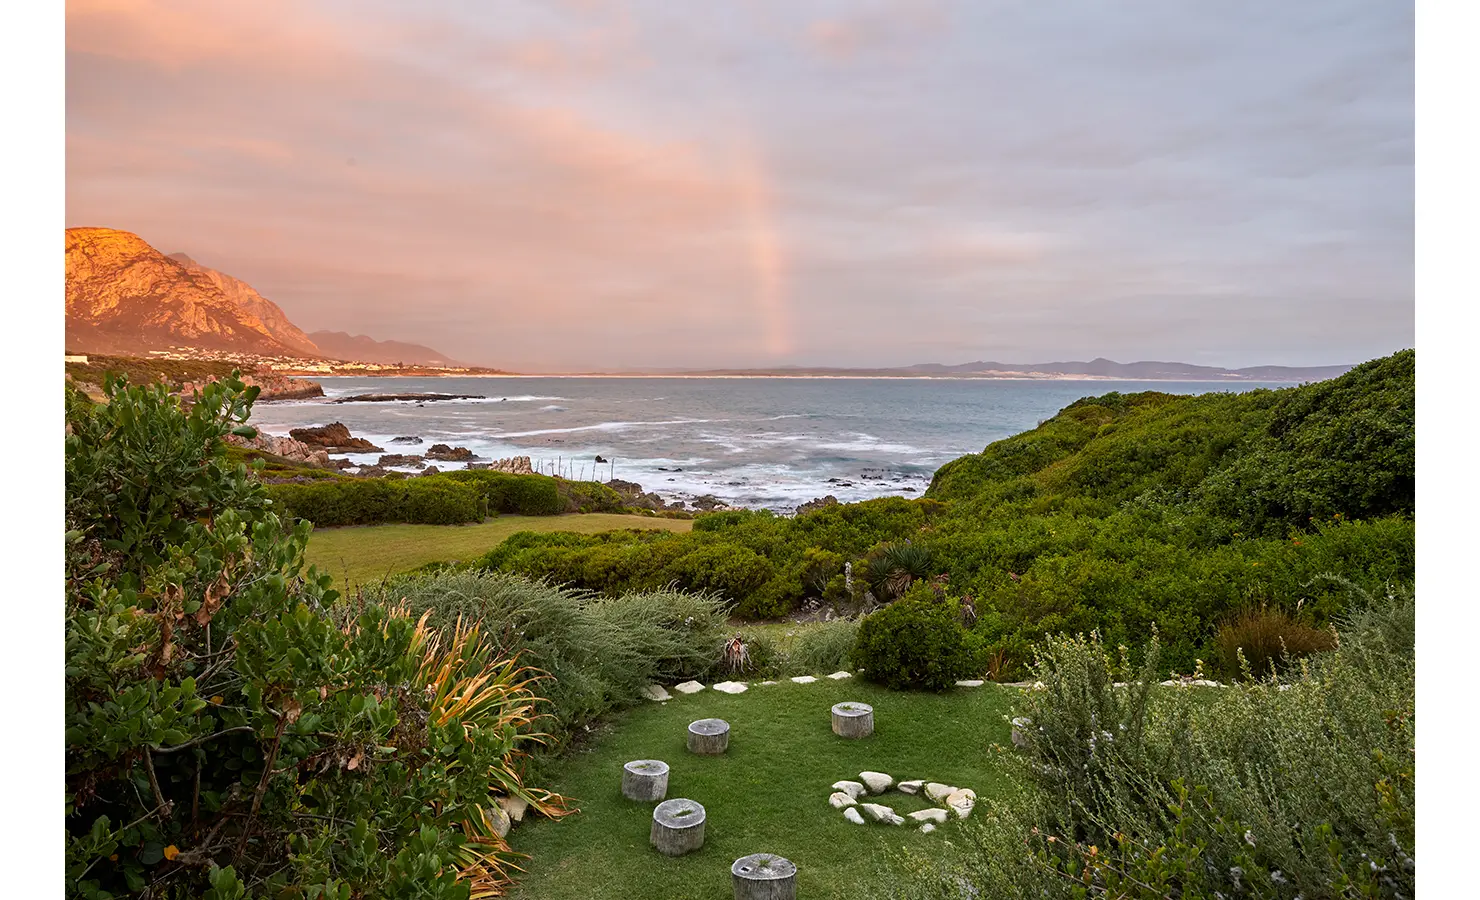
447, 498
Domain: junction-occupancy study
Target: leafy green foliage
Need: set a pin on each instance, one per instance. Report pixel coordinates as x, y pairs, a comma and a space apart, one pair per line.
226, 735
446, 498
914, 644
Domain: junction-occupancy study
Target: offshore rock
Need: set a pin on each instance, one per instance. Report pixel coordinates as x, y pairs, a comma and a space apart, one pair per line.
335, 438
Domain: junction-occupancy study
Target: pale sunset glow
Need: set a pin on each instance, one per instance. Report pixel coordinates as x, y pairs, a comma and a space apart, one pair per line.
583, 186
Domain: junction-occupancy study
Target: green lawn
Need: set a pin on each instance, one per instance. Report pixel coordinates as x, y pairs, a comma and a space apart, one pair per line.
367, 553
767, 794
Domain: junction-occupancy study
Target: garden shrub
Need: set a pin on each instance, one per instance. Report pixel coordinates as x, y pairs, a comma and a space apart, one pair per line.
913, 644
370, 501
1277, 788
226, 733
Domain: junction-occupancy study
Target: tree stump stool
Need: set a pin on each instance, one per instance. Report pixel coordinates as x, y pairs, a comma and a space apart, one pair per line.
678, 827
645, 780
764, 876
853, 720
709, 737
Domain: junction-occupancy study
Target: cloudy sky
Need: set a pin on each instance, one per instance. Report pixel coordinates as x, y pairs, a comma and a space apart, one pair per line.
580, 184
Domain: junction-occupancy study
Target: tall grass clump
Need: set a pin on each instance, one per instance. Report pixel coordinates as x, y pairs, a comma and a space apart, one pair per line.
1271, 788
598, 652
1268, 640
822, 648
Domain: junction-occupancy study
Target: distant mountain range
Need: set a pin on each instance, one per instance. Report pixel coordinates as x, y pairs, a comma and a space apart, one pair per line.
126, 298
340, 345
1095, 368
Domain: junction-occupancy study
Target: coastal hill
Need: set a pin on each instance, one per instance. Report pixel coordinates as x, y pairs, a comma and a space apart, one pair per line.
124, 296
1096, 368
340, 345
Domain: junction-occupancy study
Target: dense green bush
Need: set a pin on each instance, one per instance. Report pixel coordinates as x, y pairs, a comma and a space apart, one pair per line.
599, 652
370, 501
227, 735
916, 644
1276, 789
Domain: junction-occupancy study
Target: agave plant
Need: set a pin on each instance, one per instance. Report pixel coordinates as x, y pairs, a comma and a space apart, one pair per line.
892, 568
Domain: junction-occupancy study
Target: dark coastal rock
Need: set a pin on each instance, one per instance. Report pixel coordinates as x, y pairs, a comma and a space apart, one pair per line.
371, 472
335, 438
706, 502
286, 448
449, 454
407, 439
600, 460
629, 490
819, 503
419, 398
401, 459
430, 470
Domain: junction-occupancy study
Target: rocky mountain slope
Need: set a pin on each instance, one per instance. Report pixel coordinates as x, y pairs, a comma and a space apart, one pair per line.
247, 299
123, 296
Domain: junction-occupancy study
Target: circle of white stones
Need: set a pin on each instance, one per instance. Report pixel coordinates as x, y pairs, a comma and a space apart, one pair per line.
965, 799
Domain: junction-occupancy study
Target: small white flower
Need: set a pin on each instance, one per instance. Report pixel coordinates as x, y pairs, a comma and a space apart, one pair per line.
1249, 838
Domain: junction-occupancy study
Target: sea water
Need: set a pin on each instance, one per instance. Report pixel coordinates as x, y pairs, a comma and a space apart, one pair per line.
769, 443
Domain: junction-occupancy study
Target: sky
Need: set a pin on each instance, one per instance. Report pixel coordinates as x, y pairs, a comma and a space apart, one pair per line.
574, 185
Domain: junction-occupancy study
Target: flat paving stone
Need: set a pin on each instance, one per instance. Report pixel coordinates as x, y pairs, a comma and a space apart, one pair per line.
731, 687
689, 687
804, 679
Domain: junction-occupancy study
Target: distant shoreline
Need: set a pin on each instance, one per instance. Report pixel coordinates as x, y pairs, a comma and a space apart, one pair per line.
1106, 378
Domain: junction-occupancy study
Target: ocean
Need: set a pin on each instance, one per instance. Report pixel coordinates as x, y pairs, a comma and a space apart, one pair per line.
761, 443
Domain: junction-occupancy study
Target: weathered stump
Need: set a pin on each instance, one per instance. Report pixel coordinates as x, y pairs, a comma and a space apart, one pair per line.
853, 720
710, 737
764, 876
678, 827
645, 780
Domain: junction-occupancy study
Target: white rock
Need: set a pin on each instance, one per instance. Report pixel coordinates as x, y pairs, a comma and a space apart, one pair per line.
876, 812
765, 683
804, 679
853, 815
926, 828
656, 692
970, 682
689, 687
963, 808
731, 687
851, 788
957, 798
930, 815
878, 782
500, 820
910, 787
1203, 682
839, 676
514, 806
839, 800
1171, 682
937, 792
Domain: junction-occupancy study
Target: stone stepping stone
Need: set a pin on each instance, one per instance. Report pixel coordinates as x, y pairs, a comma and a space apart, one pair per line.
970, 682
515, 807
935, 792
927, 828
656, 693
839, 676
678, 827
841, 800
764, 876
853, 815
765, 683
910, 787
731, 687
877, 782
852, 720
803, 679
645, 780
709, 737
935, 814
689, 687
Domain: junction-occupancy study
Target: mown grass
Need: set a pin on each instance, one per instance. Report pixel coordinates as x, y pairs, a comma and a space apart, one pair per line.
366, 554
767, 794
